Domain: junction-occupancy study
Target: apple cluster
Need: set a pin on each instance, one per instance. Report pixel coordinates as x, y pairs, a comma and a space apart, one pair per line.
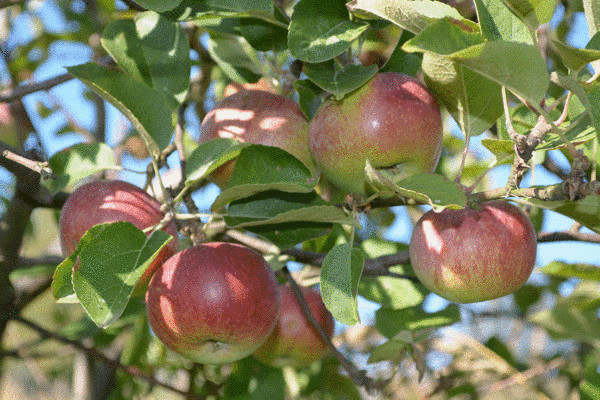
213, 303
393, 121
220, 302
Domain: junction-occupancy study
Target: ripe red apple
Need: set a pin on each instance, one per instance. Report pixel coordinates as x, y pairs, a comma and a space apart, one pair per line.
99, 202
471, 255
294, 342
258, 117
214, 303
391, 120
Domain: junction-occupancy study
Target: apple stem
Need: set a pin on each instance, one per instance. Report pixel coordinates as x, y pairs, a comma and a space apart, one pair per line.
357, 375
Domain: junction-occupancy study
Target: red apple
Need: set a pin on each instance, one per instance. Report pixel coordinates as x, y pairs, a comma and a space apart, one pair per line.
214, 303
258, 117
294, 341
99, 202
471, 255
391, 120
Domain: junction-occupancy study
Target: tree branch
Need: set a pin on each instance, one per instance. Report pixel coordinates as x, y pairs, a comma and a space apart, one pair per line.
24, 90
574, 236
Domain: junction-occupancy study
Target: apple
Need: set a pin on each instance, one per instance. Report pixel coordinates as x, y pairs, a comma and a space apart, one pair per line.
261, 84
214, 303
472, 255
134, 144
392, 121
8, 126
101, 201
294, 341
258, 117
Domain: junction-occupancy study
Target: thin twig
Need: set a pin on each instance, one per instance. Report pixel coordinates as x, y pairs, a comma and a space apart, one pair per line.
24, 90
253, 242
21, 91
554, 168
547, 237
357, 375
526, 375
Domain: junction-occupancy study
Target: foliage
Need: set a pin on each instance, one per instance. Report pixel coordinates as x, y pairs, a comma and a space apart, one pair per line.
507, 77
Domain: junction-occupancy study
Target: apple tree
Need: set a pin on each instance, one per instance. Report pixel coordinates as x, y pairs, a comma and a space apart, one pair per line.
279, 199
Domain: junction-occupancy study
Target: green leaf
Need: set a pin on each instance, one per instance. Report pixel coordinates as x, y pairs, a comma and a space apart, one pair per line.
580, 271
532, 12
401, 61
391, 322
589, 387
77, 163
309, 97
159, 5
413, 16
340, 274
320, 31
265, 6
581, 92
527, 296
393, 350
474, 101
110, 265
62, 281
274, 207
503, 150
167, 53
579, 132
252, 380
572, 57
568, 322
329, 384
433, 189
262, 168
499, 23
445, 36
339, 82
593, 97
236, 57
210, 155
390, 292
144, 106
264, 35
585, 211
290, 234
122, 42
204, 11
517, 66
591, 9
